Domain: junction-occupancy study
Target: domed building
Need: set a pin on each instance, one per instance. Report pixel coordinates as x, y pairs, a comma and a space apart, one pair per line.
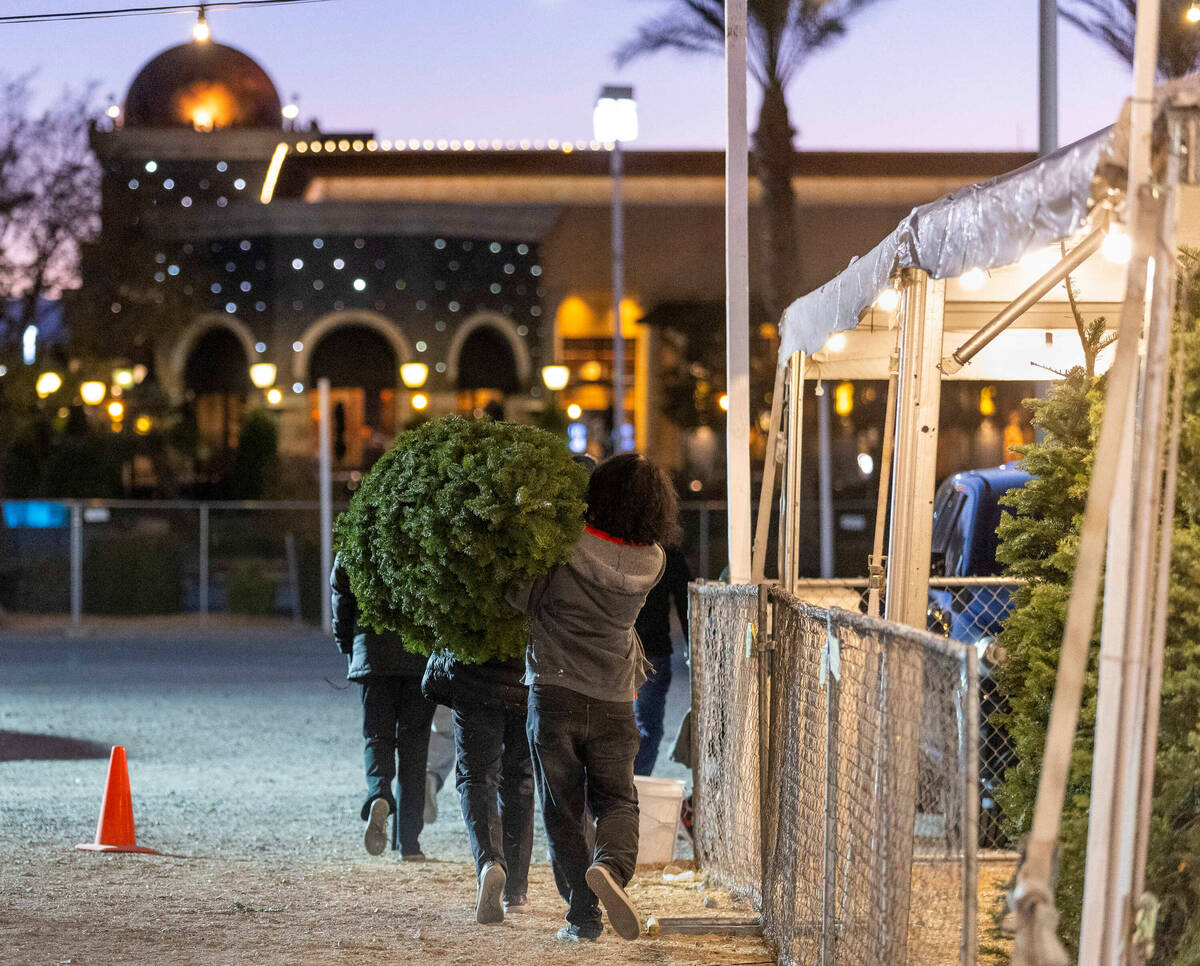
205, 86
236, 236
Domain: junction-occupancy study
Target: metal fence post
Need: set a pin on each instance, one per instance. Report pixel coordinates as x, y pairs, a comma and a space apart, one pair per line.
763, 649
970, 833
204, 560
76, 566
829, 872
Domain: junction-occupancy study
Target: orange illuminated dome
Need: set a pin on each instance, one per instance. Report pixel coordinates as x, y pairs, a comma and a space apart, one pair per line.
202, 86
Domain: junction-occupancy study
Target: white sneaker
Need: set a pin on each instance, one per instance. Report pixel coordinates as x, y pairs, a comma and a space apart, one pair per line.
488, 907
375, 838
621, 914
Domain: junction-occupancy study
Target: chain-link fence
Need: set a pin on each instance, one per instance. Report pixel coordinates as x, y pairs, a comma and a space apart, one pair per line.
869, 765
971, 610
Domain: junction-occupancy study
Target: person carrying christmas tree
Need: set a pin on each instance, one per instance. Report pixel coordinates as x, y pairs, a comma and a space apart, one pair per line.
584, 665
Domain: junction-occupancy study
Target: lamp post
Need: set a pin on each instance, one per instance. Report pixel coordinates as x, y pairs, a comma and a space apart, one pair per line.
614, 120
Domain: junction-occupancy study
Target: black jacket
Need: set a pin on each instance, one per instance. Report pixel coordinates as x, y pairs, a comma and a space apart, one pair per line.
492, 684
370, 652
654, 622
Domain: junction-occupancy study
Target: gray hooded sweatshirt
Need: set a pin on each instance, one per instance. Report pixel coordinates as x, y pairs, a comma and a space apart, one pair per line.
583, 613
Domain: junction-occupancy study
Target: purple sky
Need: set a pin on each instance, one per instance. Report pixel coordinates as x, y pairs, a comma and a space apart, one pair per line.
911, 74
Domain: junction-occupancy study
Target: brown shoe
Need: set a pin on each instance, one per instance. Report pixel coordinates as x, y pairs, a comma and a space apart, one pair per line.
621, 914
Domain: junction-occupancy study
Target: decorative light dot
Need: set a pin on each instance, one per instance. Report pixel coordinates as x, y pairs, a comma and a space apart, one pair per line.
359, 284
113, 111
339, 264
290, 111
386, 144
343, 145
222, 166
297, 387
427, 145
239, 184
245, 286
574, 411
318, 284
552, 144
133, 184
440, 325
413, 144
172, 269
159, 276
215, 288
297, 263
152, 166
522, 249
509, 268
318, 243
866, 465
169, 184
525, 145
442, 144
837, 342
522, 330
439, 243
222, 201
495, 288
888, 300
260, 347
301, 147
231, 307
468, 145
440, 367
260, 307
330, 145
274, 396
115, 410
420, 400
536, 271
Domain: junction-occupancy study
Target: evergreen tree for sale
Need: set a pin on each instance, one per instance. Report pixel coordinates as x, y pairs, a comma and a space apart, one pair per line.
457, 512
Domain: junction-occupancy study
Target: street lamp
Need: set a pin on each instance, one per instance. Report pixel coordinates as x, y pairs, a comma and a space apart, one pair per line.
614, 120
414, 374
47, 384
93, 392
555, 377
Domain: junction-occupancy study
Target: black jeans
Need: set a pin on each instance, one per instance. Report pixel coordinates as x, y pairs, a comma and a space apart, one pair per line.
494, 778
583, 752
650, 708
396, 721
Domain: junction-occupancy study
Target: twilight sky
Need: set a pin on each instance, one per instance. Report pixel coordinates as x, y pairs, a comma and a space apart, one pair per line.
922, 74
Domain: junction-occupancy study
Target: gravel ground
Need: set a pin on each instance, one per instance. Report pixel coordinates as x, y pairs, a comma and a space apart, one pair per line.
245, 761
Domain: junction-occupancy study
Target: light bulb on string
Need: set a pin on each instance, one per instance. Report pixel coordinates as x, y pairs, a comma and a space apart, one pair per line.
1193, 13
200, 31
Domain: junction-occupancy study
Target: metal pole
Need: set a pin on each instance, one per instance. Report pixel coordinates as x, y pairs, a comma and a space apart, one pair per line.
1048, 77
791, 493
825, 474
618, 294
762, 527
970, 844
203, 560
876, 565
325, 487
829, 928
737, 293
76, 567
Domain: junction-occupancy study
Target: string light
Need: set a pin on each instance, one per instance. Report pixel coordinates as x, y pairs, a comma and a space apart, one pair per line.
1193, 13
200, 32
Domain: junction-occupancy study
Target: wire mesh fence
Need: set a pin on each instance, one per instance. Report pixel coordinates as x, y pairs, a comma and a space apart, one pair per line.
862, 845
971, 610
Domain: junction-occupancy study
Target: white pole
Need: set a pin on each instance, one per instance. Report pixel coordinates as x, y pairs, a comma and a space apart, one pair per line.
737, 293
1108, 874
620, 437
325, 487
825, 482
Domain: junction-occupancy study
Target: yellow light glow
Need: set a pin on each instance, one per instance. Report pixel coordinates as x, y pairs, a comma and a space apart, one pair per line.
555, 377
888, 300
274, 396
414, 374
837, 342
113, 111
93, 392
591, 370
268, 188
47, 384
574, 411
1193, 13
291, 111
142, 425
1117, 246
972, 279
843, 398
200, 31
123, 377
115, 410
420, 401
987, 402
301, 147
202, 119
262, 374
723, 402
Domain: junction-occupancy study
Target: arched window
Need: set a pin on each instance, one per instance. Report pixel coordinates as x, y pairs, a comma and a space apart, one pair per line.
217, 378
360, 364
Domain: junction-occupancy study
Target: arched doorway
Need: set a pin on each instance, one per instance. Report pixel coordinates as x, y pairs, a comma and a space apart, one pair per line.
486, 368
361, 367
216, 378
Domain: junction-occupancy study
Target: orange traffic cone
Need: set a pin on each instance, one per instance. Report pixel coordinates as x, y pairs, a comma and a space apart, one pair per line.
114, 831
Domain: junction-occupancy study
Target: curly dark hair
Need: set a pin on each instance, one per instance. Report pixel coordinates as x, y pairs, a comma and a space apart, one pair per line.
633, 499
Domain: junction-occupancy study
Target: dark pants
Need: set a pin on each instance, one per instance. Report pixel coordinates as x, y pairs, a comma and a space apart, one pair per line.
650, 708
494, 778
396, 721
583, 752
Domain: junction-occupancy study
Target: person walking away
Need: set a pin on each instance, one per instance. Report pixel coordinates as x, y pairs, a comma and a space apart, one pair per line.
493, 774
653, 627
584, 664
396, 720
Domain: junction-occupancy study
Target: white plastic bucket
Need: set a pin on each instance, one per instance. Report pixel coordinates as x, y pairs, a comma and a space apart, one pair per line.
659, 804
